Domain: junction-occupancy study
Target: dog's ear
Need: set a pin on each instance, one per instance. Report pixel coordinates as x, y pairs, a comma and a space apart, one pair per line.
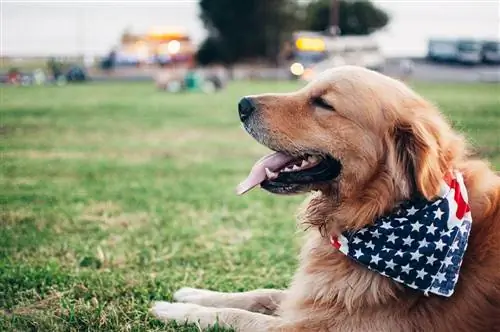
419, 152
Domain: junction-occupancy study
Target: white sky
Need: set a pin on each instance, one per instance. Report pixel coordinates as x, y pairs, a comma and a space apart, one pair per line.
39, 27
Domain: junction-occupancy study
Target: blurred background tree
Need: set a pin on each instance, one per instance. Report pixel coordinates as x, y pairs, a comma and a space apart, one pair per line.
355, 17
243, 30
211, 51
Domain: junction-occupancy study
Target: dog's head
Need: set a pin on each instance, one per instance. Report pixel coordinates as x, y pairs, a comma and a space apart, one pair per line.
343, 131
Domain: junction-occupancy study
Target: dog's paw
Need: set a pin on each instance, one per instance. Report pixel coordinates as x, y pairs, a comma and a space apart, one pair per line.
190, 295
179, 312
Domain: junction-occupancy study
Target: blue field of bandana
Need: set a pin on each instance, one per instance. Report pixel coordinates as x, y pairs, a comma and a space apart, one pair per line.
414, 246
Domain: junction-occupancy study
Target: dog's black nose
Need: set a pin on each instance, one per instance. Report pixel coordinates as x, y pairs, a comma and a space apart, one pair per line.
245, 107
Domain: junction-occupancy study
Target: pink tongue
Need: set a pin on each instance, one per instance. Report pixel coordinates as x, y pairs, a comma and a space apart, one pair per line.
272, 161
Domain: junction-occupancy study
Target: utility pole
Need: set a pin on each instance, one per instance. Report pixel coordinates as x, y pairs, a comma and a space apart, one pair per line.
334, 18
80, 32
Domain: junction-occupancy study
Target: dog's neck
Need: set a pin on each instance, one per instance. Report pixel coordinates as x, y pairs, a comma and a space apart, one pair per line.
326, 214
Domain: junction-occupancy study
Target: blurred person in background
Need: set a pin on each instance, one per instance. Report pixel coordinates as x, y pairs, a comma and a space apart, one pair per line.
406, 67
55, 69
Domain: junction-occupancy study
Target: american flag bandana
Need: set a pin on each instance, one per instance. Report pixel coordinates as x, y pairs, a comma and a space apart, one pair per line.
421, 244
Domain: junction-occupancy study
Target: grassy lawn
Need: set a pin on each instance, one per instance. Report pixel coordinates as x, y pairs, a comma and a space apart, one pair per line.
116, 195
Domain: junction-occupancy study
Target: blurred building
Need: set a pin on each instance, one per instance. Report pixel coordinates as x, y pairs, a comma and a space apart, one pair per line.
163, 46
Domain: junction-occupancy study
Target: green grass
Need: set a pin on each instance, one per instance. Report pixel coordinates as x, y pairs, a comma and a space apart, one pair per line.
116, 195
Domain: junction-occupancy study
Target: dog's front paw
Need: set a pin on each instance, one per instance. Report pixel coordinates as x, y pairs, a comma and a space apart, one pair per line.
190, 295
179, 312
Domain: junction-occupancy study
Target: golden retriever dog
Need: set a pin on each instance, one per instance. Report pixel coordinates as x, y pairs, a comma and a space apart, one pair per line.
377, 157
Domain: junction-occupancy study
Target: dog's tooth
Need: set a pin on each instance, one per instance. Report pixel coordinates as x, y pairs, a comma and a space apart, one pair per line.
295, 167
304, 163
312, 159
270, 174
287, 169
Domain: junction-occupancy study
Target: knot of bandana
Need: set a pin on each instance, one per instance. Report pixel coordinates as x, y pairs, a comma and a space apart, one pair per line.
421, 244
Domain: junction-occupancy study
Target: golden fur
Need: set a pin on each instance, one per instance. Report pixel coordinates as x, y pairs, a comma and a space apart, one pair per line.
391, 143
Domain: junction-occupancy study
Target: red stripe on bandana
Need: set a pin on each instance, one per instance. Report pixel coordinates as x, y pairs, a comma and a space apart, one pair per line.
462, 206
334, 240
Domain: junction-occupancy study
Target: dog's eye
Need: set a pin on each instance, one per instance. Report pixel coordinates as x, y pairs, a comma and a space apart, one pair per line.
320, 102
